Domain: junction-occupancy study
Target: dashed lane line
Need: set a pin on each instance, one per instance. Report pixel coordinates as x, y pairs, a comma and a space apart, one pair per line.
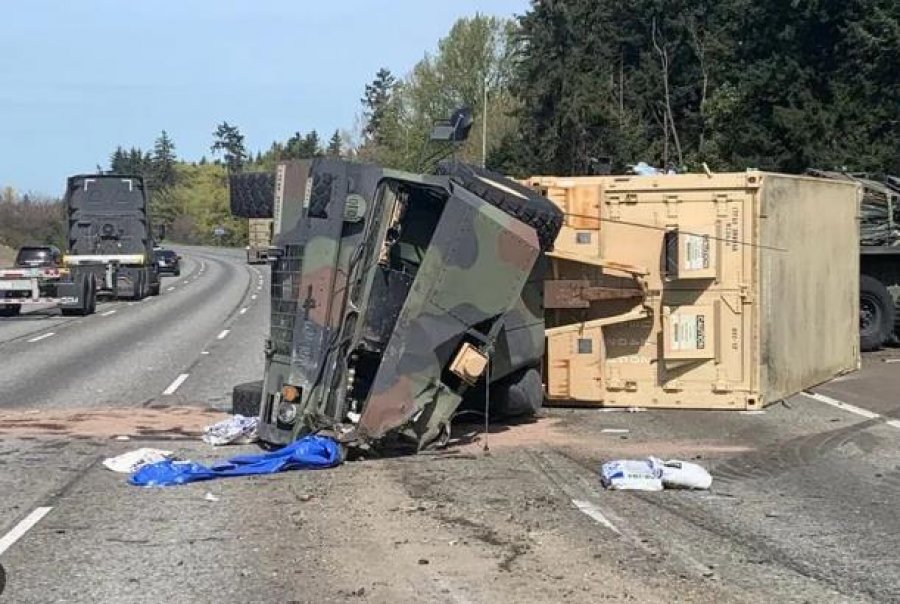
842, 405
22, 527
223, 334
42, 337
108, 313
593, 512
176, 384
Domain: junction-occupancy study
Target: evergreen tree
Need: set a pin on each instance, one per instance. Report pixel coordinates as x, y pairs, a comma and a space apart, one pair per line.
163, 163
375, 103
335, 145
230, 142
118, 161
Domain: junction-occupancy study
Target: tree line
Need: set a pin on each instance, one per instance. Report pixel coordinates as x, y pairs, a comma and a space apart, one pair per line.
574, 84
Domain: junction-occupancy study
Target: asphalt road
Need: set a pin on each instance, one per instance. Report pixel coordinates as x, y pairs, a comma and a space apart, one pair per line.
205, 325
802, 507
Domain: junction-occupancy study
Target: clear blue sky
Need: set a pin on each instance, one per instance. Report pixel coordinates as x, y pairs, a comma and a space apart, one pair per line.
78, 77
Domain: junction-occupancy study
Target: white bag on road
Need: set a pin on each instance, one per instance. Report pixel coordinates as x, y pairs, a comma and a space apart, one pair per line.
678, 474
131, 462
632, 475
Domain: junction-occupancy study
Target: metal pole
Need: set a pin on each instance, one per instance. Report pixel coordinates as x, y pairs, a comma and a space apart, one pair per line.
484, 127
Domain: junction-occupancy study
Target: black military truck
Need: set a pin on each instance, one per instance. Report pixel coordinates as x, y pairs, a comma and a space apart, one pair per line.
879, 260
109, 250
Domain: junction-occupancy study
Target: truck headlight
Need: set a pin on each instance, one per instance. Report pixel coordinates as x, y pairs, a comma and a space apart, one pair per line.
287, 412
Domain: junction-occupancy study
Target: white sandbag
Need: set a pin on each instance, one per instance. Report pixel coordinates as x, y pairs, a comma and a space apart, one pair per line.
632, 475
678, 474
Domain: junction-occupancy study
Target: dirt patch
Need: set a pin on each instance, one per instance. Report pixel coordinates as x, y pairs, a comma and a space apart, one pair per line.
561, 434
158, 423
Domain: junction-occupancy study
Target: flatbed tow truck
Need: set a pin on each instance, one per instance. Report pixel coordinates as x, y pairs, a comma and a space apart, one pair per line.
110, 251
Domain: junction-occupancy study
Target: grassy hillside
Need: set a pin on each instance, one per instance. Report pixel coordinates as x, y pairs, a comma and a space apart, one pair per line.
7, 255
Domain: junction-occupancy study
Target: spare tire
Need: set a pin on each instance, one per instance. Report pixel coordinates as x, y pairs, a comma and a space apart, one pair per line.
252, 194
246, 399
515, 199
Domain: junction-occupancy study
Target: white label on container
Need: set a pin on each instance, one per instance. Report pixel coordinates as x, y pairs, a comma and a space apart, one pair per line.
688, 332
696, 252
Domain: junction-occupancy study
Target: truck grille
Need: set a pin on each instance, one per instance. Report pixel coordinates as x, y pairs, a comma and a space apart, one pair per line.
286, 276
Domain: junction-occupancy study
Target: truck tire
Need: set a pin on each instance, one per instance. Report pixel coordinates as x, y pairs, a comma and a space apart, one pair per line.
518, 395
246, 399
515, 199
876, 313
88, 298
138, 288
252, 194
10, 310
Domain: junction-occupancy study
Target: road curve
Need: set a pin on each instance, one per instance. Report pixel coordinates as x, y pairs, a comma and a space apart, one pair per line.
189, 345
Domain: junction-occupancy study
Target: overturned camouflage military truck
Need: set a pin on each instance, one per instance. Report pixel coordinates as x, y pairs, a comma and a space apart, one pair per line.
398, 300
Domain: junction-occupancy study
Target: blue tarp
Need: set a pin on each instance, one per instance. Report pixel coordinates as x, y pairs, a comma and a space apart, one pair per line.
309, 453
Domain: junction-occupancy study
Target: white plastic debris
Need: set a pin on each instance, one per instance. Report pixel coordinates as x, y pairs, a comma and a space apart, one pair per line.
632, 475
678, 474
235, 430
653, 474
211, 497
123, 437
128, 463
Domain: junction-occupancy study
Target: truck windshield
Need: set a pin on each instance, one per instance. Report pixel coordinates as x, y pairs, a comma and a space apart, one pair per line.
34, 256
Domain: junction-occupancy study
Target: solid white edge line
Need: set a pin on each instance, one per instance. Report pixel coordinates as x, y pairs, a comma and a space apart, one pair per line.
222, 335
594, 513
23, 527
841, 405
108, 313
42, 337
176, 384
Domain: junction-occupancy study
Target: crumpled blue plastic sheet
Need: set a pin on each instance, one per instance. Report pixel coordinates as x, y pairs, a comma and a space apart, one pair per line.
309, 453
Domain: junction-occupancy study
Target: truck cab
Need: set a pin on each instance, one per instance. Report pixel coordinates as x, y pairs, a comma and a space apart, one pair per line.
38, 256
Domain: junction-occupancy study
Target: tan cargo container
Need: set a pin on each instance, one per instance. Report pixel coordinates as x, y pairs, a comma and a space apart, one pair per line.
259, 239
728, 291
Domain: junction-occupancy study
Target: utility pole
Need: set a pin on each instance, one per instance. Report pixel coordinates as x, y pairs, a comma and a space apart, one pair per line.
484, 125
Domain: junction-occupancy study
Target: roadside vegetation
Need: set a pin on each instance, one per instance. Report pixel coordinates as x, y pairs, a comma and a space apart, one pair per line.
574, 87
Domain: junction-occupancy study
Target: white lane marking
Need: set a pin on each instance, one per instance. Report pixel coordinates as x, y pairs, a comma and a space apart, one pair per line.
23, 527
842, 405
594, 513
168, 289
176, 384
108, 313
205, 352
615, 430
243, 310
253, 297
892, 360
222, 335
42, 337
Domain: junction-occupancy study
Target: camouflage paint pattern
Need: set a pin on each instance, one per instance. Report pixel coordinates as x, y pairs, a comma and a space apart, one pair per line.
472, 285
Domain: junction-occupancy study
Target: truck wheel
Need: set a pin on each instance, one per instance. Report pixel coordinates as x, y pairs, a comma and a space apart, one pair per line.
246, 399
515, 199
252, 194
10, 310
876, 313
92, 298
153, 290
138, 288
520, 394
